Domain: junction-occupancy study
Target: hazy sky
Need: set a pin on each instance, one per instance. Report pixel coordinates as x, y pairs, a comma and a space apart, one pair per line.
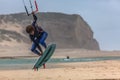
102, 15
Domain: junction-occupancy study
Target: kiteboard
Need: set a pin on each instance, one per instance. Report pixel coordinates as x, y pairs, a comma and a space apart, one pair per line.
45, 56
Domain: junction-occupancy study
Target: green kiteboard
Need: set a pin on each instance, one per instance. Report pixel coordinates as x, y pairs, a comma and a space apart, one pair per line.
46, 56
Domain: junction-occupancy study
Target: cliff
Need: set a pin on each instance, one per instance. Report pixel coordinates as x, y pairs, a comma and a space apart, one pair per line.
67, 31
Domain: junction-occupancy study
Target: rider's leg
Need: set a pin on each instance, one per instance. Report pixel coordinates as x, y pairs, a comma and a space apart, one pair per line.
43, 38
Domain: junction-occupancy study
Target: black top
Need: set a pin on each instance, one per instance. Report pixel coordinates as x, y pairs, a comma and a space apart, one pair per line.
38, 31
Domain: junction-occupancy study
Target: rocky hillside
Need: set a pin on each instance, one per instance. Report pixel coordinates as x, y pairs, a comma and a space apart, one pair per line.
67, 31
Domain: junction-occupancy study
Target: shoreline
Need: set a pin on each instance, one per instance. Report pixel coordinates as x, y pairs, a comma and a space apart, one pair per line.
80, 56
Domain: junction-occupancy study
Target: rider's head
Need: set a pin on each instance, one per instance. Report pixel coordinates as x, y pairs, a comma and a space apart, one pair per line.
30, 29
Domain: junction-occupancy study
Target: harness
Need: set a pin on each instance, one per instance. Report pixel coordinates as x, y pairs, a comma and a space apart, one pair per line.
38, 32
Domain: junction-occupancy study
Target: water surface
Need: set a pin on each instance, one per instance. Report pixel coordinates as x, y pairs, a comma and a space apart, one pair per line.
25, 63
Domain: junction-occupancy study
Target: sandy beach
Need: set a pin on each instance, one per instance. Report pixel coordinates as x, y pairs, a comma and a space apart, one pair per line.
100, 70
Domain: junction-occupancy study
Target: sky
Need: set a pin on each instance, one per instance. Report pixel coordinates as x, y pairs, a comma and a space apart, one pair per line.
103, 16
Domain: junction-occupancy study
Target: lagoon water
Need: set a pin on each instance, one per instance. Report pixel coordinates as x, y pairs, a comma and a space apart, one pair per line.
28, 63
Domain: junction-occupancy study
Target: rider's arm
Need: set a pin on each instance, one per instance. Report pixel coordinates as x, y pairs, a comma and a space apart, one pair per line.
34, 20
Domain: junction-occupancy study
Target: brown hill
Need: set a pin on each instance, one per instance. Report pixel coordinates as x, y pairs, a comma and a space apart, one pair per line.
67, 31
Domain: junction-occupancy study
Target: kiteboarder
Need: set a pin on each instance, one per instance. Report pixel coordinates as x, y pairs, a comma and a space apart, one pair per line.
36, 33
37, 36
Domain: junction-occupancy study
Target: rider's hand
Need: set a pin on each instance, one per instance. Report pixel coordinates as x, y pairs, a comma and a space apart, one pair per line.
33, 13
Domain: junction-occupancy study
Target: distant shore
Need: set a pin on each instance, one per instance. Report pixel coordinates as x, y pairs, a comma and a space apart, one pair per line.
59, 53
